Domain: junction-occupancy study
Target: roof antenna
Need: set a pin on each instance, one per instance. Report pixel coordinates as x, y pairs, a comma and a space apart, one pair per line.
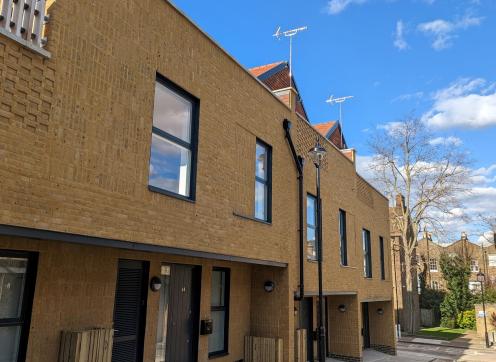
289, 33
331, 100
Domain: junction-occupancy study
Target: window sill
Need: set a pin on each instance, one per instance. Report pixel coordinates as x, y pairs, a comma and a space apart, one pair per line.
368, 278
171, 194
312, 261
252, 219
347, 266
217, 355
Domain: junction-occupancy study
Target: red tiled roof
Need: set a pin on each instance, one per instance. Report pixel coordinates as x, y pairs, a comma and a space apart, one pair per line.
279, 80
324, 128
335, 137
258, 71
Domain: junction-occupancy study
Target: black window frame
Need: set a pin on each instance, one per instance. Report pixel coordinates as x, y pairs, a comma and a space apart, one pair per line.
381, 254
267, 182
314, 227
343, 239
367, 253
192, 146
27, 299
225, 308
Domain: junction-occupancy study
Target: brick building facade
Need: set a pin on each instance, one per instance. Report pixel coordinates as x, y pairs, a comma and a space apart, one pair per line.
135, 151
482, 258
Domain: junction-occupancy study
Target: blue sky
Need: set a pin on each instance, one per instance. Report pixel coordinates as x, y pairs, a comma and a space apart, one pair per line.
436, 58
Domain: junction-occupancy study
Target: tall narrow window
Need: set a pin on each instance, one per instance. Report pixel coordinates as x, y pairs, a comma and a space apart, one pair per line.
173, 149
343, 245
311, 227
381, 251
17, 278
367, 254
217, 341
433, 265
263, 160
474, 265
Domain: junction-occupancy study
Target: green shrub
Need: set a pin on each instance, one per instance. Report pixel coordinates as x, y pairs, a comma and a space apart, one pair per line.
489, 295
466, 319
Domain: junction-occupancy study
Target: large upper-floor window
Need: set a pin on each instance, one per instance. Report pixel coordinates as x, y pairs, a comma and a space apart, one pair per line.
311, 227
433, 264
343, 243
263, 192
381, 252
174, 140
17, 279
218, 340
367, 254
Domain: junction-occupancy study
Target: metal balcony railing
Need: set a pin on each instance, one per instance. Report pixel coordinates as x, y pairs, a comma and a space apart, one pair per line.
23, 21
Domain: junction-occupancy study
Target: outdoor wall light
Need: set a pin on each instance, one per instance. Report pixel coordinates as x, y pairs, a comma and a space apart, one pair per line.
269, 286
380, 311
342, 308
155, 284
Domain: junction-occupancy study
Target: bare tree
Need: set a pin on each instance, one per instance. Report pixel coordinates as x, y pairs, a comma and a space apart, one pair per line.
429, 175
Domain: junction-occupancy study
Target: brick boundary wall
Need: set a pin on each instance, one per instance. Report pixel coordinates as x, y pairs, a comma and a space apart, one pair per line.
346, 358
384, 349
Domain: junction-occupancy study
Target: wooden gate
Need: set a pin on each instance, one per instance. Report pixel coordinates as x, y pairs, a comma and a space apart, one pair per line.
91, 345
260, 349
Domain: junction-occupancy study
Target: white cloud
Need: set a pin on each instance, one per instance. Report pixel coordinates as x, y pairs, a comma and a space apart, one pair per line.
390, 127
408, 97
336, 6
399, 36
444, 32
466, 103
446, 141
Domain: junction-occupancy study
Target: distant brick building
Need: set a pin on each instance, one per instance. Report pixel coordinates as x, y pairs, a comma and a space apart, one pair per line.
481, 259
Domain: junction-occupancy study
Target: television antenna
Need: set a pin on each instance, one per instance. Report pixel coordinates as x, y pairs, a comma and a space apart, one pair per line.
340, 100
290, 34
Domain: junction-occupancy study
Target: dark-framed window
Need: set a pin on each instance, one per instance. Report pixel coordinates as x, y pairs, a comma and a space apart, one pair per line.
218, 340
174, 141
312, 218
381, 251
343, 245
263, 181
17, 282
367, 254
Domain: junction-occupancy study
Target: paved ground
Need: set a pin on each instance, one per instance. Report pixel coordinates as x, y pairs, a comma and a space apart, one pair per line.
414, 352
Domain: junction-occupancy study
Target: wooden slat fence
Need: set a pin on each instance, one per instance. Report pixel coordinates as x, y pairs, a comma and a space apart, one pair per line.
91, 345
261, 349
301, 345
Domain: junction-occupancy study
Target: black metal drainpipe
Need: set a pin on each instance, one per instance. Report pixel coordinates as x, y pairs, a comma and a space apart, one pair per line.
299, 168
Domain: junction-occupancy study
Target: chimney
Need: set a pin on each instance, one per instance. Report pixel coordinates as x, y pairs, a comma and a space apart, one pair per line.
400, 201
464, 236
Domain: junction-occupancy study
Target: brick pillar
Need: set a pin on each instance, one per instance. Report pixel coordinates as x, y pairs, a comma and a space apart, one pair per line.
381, 317
343, 328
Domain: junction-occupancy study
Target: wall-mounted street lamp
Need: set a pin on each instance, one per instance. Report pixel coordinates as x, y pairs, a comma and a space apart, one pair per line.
269, 286
155, 284
342, 308
380, 311
481, 279
317, 154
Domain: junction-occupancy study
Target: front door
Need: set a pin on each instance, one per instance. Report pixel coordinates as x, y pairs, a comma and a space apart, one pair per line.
307, 323
130, 311
179, 313
365, 325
